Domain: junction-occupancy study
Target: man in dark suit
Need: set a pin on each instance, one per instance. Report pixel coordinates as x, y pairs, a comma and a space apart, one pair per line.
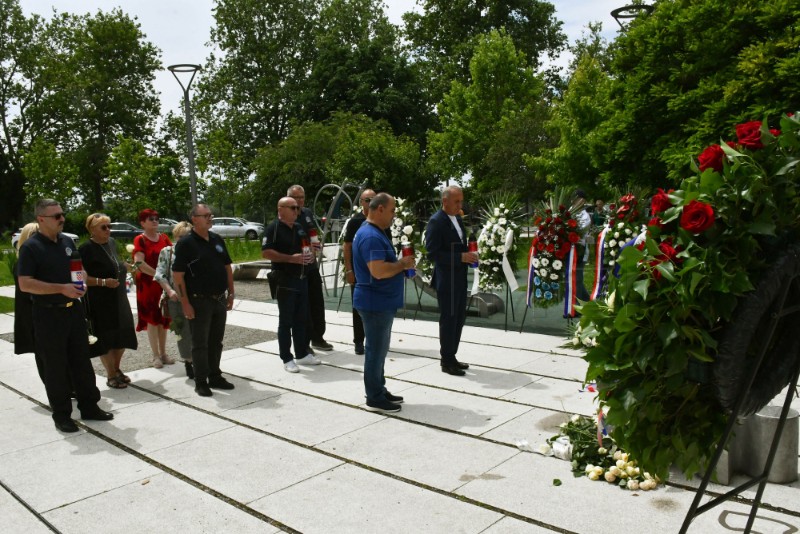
446, 242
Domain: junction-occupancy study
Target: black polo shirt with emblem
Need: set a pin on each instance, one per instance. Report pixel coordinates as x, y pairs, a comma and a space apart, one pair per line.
48, 261
202, 263
285, 239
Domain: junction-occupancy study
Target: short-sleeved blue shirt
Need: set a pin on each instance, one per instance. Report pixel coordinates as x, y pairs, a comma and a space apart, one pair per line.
371, 294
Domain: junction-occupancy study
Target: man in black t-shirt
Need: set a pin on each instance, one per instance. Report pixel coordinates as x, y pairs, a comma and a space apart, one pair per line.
59, 322
283, 246
352, 227
315, 325
203, 279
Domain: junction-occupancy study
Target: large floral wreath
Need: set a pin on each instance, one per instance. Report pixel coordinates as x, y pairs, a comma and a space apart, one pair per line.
493, 239
708, 244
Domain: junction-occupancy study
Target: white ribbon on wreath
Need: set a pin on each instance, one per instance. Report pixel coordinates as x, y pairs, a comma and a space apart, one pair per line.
511, 280
477, 274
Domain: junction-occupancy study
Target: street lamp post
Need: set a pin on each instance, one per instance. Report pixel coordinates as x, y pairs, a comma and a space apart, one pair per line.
187, 110
630, 12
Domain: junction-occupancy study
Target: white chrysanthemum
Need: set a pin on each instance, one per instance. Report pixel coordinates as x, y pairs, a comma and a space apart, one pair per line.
553, 277
408, 230
543, 272
403, 240
502, 221
501, 249
545, 262
395, 241
398, 222
557, 265
535, 263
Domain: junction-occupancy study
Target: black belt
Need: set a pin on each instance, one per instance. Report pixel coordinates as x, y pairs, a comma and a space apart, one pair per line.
215, 297
59, 305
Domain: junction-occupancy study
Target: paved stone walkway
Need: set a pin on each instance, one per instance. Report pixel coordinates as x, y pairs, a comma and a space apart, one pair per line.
299, 453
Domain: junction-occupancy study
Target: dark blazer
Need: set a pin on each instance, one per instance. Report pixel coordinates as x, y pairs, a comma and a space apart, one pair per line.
444, 250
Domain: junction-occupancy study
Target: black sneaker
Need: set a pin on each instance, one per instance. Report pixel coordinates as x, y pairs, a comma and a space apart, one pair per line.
396, 399
219, 382
382, 406
359, 348
201, 387
322, 345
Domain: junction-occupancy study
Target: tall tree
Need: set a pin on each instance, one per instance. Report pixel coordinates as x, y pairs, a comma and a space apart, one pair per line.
444, 35
685, 74
503, 100
247, 95
21, 46
361, 67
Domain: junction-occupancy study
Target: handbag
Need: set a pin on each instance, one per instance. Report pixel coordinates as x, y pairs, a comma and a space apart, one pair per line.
164, 305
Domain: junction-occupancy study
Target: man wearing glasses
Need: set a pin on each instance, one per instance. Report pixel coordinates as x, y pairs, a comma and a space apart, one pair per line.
59, 322
204, 282
283, 246
353, 225
316, 302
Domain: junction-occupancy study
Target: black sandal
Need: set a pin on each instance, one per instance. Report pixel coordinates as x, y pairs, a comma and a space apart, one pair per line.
116, 383
123, 377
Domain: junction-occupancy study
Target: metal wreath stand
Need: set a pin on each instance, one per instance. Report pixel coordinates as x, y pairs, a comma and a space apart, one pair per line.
773, 308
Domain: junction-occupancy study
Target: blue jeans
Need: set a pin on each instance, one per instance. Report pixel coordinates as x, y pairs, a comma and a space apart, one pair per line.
292, 316
378, 333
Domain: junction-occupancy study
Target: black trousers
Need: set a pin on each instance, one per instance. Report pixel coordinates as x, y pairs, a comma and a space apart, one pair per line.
208, 329
358, 324
62, 343
580, 288
452, 314
292, 317
315, 324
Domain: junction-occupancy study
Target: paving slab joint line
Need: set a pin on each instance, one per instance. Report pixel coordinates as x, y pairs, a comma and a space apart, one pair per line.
177, 474
344, 460
735, 498
28, 507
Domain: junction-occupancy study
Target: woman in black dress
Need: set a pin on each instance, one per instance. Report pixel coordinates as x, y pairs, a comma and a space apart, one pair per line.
23, 309
106, 299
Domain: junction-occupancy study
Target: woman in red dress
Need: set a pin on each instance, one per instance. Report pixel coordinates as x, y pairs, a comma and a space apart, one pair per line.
146, 248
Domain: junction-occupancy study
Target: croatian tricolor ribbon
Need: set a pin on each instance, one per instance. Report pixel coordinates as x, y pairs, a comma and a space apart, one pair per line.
531, 274
599, 271
570, 297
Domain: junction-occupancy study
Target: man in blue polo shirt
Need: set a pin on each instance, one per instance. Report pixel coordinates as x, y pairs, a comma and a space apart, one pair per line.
378, 295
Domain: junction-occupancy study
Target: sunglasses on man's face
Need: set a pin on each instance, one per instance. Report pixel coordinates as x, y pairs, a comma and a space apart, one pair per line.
295, 208
56, 216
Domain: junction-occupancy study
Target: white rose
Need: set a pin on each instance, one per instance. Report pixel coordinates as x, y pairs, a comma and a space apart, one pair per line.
602, 450
613, 253
497, 212
494, 249
92, 339
612, 243
398, 222
403, 239
628, 231
616, 235
505, 212
502, 221
408, 230
575, 418
129, 248
618, 455
502, 206
495, 269
633, 485
621, 226
500, 249
611, 263
609, 477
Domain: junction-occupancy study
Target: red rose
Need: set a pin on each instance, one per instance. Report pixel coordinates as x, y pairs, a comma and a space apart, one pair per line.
561, 207
660, 201
558, 220
572, 223
548, 211
669, 252
621, 215
548, 220
655, 221
697, 217
574, 237
567, 214
561, 253
749, 134
540, 246
711, 158
550, 247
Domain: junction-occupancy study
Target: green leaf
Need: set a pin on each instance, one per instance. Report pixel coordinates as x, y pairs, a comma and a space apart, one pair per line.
640, 287
625, 321
762, 228
695, 280
556, 482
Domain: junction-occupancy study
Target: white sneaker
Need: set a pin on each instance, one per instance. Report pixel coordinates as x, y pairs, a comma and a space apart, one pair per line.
291, 367
308, 359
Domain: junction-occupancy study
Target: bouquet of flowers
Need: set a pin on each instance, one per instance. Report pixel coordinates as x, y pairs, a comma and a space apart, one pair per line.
709, 244
625, 225
494, 241
556, 232
404, 230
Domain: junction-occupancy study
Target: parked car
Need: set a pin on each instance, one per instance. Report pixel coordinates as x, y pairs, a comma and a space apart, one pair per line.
123, 230
236, 227
15, 237
166, 225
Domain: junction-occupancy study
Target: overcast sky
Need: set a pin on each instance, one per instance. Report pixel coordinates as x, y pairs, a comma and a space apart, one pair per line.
180, 28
